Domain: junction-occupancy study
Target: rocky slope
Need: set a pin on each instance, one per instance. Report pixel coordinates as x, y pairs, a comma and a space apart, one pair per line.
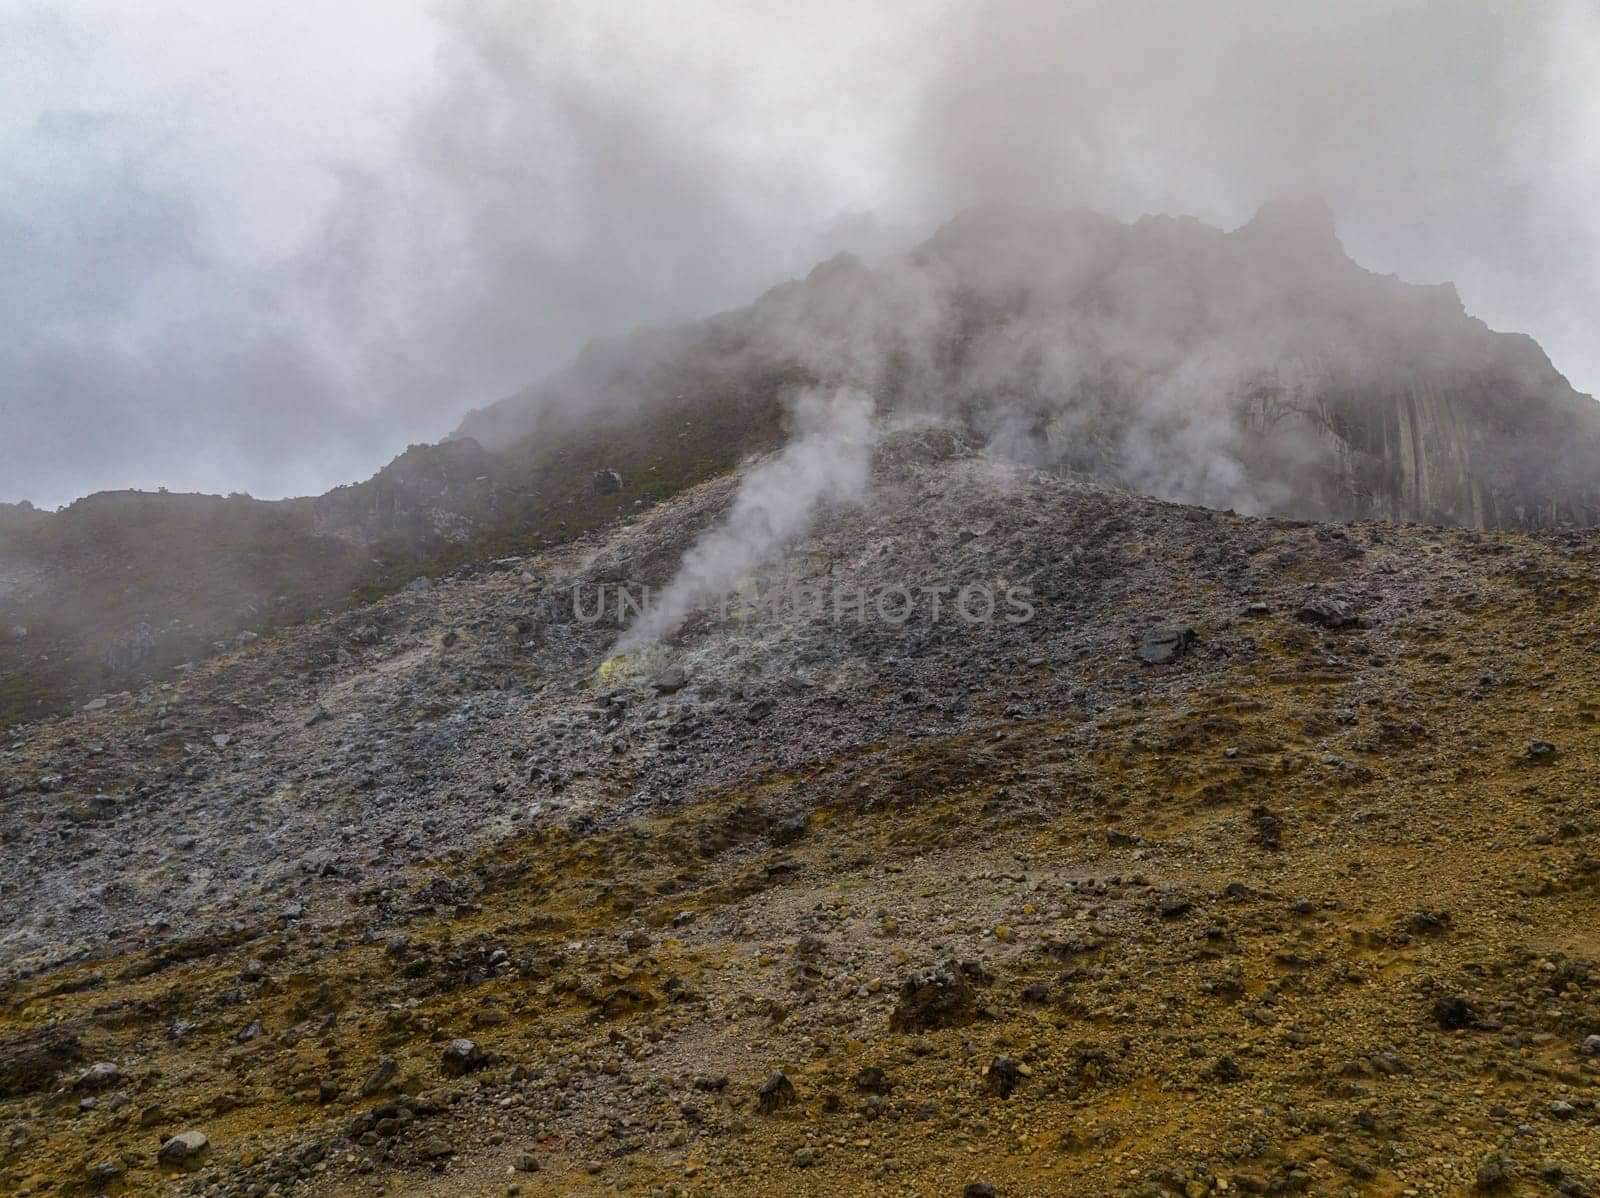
1261, 859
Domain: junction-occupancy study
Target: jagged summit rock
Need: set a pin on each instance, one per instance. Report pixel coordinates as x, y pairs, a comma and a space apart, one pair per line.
1260, 369
1302, 220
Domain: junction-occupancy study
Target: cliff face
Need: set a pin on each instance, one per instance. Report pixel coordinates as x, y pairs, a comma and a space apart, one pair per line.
1484, 451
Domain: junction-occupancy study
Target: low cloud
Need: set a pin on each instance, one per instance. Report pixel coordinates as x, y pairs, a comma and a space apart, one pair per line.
226, 271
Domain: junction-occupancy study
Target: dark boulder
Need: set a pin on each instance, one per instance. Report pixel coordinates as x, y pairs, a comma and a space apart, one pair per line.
938, 996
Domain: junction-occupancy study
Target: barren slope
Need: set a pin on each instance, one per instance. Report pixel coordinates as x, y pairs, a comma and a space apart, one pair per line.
1299, 910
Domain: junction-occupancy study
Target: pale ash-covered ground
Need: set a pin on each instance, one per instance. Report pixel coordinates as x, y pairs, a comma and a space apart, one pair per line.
476, 707
1302, 909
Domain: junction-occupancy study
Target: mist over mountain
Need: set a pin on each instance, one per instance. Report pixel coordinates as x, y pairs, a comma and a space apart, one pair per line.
1260, 369
264, 249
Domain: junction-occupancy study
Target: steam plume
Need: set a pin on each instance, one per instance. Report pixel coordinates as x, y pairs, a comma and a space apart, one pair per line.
825, 463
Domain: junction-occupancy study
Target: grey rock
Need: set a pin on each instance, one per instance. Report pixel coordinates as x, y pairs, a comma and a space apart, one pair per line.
101, 1075
1002, 1077
1162, 645
463, 1056
938, 996
1493, 1174
434, 1147
1226, 1069
184, 1150
671, 679
380, 1077
1452, 1012
105, 1174
1328, 612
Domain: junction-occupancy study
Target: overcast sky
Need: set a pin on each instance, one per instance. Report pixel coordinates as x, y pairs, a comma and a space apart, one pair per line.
262, 247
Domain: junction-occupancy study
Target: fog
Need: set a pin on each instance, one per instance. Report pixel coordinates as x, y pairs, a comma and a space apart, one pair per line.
264, 250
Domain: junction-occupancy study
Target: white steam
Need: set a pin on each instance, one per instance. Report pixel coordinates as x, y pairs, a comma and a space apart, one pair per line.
827, 461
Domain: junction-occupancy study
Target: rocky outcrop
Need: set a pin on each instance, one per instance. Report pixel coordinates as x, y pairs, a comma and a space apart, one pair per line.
431, 495
1259, 369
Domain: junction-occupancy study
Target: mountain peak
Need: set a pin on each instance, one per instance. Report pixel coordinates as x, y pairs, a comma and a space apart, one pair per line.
1305, 220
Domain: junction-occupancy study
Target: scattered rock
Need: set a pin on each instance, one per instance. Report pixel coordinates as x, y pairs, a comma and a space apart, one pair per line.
776, 1093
